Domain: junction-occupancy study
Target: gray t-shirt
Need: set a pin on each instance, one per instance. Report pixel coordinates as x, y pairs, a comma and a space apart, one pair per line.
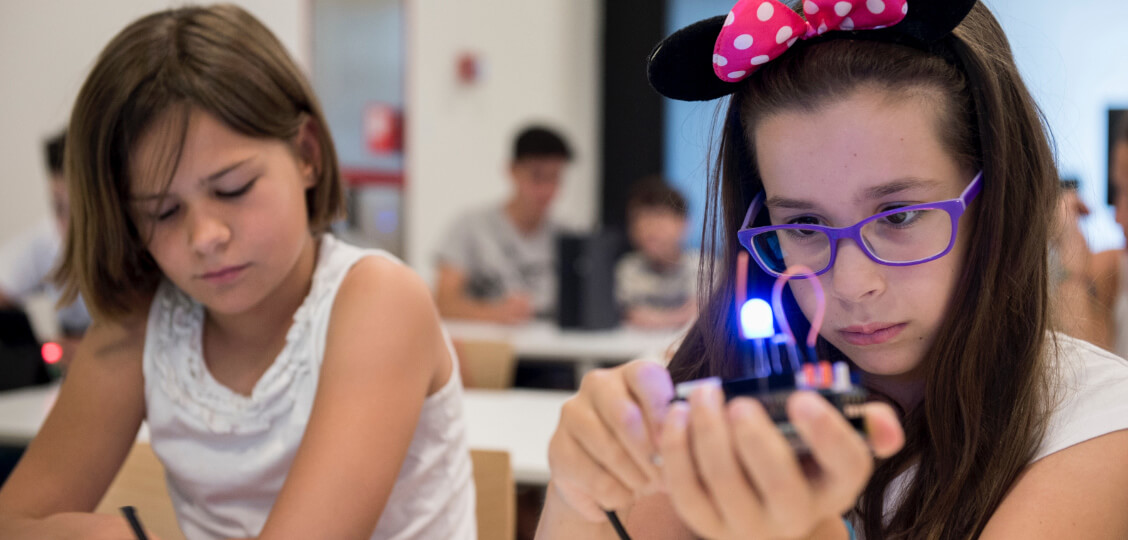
26, 263
499, 260
640, 284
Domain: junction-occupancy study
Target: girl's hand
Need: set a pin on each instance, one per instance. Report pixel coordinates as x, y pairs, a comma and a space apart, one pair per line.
603, 452
730, 472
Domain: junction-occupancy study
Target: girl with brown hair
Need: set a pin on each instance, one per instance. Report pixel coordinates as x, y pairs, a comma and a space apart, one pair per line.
890, 146
293, 386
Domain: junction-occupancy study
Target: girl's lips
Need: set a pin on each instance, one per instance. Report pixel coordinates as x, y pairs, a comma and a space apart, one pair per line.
871, 334
224, 275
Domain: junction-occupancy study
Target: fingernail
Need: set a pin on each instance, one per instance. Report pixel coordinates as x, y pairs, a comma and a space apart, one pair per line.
706, 395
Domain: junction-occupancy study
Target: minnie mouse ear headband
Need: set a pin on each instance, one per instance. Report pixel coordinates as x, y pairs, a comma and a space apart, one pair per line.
708, 59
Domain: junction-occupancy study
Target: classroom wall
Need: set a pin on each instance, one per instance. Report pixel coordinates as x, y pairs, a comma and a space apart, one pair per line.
540, 61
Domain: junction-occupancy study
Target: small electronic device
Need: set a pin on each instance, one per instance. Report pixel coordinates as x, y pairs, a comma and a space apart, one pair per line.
775, 366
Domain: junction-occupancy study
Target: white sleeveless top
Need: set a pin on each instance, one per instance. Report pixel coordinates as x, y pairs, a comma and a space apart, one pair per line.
1120, 308
1091, 400
226, 455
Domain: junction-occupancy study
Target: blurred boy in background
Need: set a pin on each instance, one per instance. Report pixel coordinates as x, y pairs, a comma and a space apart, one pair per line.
498, 264
26, 261
656, 285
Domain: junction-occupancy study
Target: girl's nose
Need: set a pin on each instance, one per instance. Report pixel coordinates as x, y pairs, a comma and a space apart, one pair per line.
207, 232
854, 276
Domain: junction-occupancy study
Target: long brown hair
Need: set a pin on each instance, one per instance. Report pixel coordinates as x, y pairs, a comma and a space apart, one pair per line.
217, 59
983, 411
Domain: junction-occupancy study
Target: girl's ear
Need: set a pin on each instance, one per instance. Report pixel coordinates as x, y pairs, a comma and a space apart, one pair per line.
307, 145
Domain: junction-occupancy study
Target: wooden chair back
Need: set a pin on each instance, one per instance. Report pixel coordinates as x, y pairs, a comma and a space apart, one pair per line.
487, 364
496, 495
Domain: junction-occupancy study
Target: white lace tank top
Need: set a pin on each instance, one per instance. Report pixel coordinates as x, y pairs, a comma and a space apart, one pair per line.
226, 455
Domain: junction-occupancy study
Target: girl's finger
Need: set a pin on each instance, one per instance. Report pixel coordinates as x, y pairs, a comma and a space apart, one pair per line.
733, 495
771, 463
581, 478
652, 388
684, 487
625, 420
843, 457
596, 438
885, 434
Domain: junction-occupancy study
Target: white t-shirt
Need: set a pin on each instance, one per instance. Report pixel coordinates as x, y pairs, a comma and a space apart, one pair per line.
1090, 400
26, 263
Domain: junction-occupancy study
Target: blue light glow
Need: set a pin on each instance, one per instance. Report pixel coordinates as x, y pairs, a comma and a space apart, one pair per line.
756, 319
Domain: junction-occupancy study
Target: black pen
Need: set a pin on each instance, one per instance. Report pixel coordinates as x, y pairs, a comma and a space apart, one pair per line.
131, 516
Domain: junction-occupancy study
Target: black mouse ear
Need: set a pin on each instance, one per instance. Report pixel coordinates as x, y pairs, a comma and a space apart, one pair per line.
681, 66
930, 20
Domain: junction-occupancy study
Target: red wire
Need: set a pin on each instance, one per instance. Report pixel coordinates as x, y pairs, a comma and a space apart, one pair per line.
777, 302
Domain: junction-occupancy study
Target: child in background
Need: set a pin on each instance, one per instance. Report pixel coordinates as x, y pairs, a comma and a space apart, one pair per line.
896, 152
1090, 289
656, 285
27, 260
293, 386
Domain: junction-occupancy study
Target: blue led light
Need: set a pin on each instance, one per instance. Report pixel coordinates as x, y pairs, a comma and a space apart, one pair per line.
756, 319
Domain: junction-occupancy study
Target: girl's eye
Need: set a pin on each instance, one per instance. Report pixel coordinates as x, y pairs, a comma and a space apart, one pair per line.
804, 220
903, 218
240, 191
167, 213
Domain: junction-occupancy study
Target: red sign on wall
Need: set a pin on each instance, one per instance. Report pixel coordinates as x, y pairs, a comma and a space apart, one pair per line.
383, 129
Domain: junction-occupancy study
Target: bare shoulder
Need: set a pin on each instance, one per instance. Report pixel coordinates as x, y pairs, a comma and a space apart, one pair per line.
1078, 492
380, 285
384, 307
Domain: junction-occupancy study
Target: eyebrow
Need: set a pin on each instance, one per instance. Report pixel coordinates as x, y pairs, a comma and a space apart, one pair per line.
873, 193
209, 178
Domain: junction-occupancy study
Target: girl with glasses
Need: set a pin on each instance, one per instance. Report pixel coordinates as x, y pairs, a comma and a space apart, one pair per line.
892, 148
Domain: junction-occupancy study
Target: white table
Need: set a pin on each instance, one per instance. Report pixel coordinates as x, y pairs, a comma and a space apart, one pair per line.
518, 421
543, 340
23, 411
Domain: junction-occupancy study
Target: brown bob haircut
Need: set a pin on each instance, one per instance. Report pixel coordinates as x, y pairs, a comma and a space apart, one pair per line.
217, 59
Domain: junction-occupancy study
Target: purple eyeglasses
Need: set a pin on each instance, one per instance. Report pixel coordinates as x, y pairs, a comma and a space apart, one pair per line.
900, 237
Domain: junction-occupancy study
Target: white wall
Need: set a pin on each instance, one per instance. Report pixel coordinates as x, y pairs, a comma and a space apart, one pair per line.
542, 63
46, 49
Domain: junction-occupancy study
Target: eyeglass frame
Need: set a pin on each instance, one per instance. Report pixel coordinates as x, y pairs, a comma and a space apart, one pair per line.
954, 207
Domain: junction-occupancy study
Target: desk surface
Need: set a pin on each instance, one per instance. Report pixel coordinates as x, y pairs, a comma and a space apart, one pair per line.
518, 421
544, 340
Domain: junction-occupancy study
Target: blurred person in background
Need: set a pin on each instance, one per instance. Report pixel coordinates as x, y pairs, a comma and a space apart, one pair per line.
656, 284
27, 260
1091, 290
498, 263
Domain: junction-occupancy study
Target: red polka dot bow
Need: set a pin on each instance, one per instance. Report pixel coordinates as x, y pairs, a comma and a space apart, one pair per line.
757, 31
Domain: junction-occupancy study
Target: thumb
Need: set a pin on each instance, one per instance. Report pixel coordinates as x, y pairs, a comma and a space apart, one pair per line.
886, 437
